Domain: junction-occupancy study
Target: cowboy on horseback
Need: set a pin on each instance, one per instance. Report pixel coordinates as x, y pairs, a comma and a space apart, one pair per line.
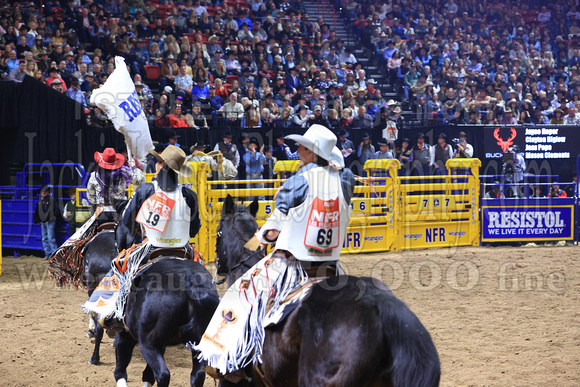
106, 186
308, 227
167, 214
105, 191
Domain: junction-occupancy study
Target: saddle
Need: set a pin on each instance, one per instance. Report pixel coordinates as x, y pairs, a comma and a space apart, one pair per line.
320, 270
106, 226
184, 253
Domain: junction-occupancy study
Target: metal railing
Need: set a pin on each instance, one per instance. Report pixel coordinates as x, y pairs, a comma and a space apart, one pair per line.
327, 8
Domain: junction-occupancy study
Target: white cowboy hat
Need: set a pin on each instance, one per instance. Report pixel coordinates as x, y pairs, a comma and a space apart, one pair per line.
318, 139
336, 158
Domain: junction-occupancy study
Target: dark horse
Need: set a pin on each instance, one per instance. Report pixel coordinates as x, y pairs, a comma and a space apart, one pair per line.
98, 254
350, 331
170, 303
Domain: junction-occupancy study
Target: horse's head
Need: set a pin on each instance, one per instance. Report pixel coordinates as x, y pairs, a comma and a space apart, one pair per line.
237, 226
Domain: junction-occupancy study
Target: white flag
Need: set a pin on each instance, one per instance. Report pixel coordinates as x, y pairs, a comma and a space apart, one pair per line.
119, 100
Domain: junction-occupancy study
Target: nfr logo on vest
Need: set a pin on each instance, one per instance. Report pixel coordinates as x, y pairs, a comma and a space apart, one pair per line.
323, 229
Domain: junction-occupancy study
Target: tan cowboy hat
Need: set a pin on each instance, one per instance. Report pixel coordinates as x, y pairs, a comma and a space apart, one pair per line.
391, 102
174, 157
361, 89
318, 139
397, 110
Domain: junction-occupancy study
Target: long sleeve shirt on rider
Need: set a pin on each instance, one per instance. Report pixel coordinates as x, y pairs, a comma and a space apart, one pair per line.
128, 226
295, 189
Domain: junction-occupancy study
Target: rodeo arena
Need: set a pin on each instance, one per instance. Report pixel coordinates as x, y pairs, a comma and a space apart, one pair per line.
289, 193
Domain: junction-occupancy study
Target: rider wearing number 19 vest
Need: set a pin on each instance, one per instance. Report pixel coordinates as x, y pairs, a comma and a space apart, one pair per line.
308, 227
167, 211
168, 215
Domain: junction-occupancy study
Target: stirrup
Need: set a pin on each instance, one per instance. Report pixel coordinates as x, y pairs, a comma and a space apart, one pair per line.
112, 324
234, 377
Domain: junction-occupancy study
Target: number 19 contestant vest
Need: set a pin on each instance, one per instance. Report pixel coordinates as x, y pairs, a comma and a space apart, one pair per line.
165, 218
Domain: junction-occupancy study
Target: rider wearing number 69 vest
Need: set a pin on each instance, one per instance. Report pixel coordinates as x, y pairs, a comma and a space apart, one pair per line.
308, 227
312, 207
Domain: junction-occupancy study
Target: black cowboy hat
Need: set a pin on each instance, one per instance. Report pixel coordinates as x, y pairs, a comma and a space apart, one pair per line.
342, 133
366, 136
383, 141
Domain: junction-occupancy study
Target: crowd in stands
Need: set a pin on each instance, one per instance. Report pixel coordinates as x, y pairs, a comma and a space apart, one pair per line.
249, 63
477, 62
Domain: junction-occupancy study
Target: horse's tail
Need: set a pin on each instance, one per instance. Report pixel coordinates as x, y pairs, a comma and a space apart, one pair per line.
415, 361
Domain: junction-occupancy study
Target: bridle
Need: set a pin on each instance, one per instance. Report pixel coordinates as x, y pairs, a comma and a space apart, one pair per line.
260, 252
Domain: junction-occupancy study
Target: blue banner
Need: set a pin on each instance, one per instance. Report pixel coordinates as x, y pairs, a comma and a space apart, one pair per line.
527, 220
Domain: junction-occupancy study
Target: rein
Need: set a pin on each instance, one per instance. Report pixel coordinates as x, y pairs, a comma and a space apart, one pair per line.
252, 245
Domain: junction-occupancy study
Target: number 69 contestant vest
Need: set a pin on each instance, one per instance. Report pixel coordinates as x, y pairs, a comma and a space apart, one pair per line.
166, 218
315, 230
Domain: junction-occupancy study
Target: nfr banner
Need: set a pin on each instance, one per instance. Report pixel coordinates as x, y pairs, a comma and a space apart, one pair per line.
505, 220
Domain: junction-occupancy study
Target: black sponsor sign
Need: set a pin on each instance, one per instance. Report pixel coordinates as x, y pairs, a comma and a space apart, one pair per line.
537, 142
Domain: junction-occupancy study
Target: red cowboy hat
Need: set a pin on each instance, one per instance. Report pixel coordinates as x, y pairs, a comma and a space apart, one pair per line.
109, 159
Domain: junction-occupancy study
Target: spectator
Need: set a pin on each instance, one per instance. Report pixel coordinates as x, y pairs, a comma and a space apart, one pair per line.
507, 118
228, 149
269, 162
139, 53
177, 119
366, 149
45, 214
537, 118
404, 155
363, 120
285, 119
558, 118
384, 152
318, 118
254, 163
346, 119
57, 84
233, 110
75, 93
169, 71
345, 146
421, 157
251, 117
409, 80
300, 119
12, 62
572, 118
18, 74
200, 91
198, 118
333, 120
490, 118
216, 102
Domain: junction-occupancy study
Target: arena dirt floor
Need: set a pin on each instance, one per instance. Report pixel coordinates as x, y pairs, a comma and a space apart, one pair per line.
499, 316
